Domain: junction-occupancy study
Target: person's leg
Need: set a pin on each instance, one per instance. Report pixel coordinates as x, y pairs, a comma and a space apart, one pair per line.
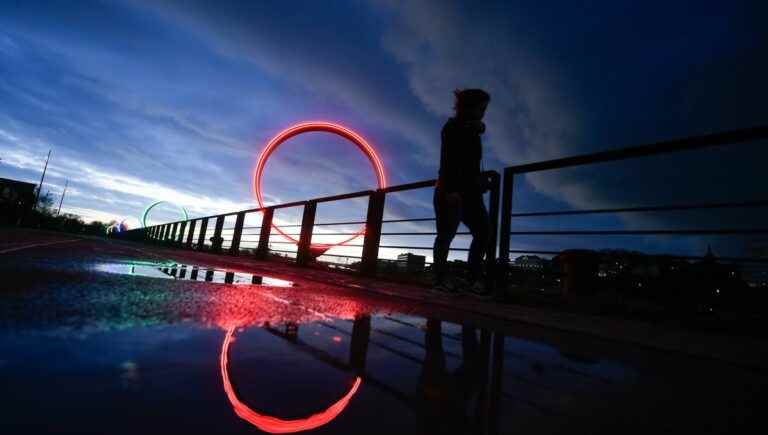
446, 222
475, 217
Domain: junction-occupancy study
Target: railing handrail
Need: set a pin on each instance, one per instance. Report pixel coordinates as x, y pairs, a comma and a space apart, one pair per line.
731, 137
174, 232
389, 189
677, 207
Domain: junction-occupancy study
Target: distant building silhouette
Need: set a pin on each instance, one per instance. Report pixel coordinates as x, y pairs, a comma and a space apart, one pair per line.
16, 200
530, 262
411, 263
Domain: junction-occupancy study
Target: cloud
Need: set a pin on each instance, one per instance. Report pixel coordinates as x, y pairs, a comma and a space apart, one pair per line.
85, 178
445, 48
179, 108
310, 57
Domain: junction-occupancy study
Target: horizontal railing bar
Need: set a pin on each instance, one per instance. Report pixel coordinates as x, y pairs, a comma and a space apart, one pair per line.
674, 257
690, 143
416, 185
334, 234
410, 186
261, 209
286, 205
638, 232
389, 221
421, 248
339, 255
339, 223
647, 208
344, 196
458, 233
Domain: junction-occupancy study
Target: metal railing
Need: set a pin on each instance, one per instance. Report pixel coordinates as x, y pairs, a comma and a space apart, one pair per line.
729, 138
185, 234
194, 233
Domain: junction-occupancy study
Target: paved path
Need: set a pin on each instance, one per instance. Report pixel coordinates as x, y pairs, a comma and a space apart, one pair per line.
24, 245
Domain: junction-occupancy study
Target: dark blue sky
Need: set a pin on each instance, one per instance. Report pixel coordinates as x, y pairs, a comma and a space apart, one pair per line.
143, 101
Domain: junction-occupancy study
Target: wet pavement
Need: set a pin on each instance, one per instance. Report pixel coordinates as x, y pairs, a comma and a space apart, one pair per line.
99, 337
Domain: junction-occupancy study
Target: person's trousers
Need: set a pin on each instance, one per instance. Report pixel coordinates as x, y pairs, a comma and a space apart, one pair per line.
471, 213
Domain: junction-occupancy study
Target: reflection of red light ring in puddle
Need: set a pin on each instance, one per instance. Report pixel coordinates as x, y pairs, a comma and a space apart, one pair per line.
306, 127
273, 424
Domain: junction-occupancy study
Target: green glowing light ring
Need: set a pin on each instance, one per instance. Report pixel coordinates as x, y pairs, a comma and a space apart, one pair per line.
143, 219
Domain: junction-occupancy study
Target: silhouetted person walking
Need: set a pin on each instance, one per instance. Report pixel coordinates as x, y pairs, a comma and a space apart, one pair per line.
460, 188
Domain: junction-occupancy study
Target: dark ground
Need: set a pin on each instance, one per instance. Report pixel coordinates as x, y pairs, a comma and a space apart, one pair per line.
86, 351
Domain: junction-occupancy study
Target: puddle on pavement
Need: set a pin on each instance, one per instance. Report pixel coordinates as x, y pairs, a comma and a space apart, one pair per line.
101, 354
188, 272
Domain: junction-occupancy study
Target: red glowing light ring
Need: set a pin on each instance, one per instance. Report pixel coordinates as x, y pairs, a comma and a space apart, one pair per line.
306, 127
273, 424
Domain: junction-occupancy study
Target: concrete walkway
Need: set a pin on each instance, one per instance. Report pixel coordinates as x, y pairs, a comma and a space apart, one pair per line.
742, 351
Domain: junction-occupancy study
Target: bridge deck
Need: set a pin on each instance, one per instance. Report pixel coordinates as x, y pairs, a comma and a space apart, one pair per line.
29, 245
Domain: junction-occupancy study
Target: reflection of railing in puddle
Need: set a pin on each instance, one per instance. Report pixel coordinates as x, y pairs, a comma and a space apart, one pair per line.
475, 385
179, 272
480, 373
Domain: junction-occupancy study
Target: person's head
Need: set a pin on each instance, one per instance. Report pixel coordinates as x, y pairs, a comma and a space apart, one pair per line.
471, 103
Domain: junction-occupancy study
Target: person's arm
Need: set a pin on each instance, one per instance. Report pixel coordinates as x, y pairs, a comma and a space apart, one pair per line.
451, 165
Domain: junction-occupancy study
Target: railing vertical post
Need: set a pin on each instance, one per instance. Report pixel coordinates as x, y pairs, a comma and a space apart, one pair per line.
180, 238
303, 254
166, 232
506, 226
358, 345
234, 248
191, 233
493, 211
201, 237
496, 382
266, 228
174, 228
372, 233
216, 245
